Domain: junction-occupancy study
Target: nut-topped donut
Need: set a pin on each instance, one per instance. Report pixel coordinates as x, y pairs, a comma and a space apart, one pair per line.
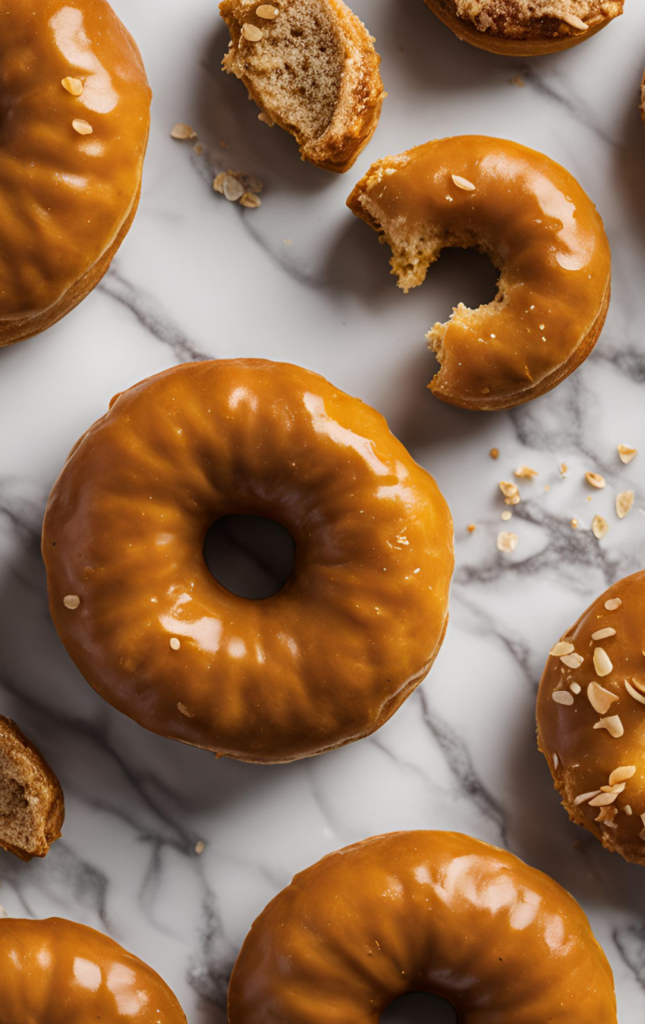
422, 912
74, 117
591, 718
541, 231
525, 28
325, 661
58, 972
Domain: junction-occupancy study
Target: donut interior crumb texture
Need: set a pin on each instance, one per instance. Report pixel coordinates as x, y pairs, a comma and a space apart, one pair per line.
31, 800
534, 18
312, 70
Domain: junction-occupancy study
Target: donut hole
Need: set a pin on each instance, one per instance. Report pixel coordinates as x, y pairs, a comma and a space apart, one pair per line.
420, 1008
250, 556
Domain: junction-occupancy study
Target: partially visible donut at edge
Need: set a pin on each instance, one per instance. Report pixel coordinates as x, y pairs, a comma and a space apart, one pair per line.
325, 661
538, 227
74, 121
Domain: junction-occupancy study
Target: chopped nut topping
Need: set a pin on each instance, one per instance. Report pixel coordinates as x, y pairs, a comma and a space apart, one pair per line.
599, 698
622, 774
74, 86
617, 788
582, 799
252, 32
572, 660
510, 491
556, 761
494, 453
506, 515
200, 847
564, 469
182, 131
250, 200
599, 527
575, 22
175, 643
471, 527
463, 183
613, 725
613, 604
596, 480
606, 816
602, 634
639, 686
184, 710
602, 662
575, 688
628, 810
267, 11
71, 601
562, 647
507, 542
624, 503
81, 126
626, 453
232, 188
603, 799
634, 693
574, 524
525, 472
562, 697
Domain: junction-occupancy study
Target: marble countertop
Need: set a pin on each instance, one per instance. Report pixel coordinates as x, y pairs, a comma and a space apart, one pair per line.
301, 279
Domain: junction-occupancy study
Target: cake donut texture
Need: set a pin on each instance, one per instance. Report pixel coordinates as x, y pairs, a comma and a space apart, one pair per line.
591, 715
325, 661
74, 116
32, 807
538, 227
311, 67
525, 27
58, 972
422, 912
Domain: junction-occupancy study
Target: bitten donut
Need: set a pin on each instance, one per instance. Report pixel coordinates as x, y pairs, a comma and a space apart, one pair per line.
525, 28
74, 117
58, 972
422, 912
325, 661
540, 230
32, 805
591, 717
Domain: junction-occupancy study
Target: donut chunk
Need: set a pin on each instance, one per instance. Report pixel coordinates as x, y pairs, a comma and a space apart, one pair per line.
311, 67
58, 972
525, 28
591, 716
539, 229
32, 807
325, 661
422, 912
74, 116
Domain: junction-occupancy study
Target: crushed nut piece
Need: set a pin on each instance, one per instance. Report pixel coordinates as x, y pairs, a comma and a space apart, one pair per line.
600, 698
562, 697
506, 515
602, 634
525, 472
562, 647
596, 480
602, 662
574, 524
267, 12
232, 188
252, 32
634, 693
599, 527
575, 688
564, 469
613, 604
556, 761
184, 710
175, 643
582, 799
622, 774
463, 183
624, 503
572, 660
250, 200
628, 810
471, 527
71, 601
494, 453
613, 725
603, 799
182, 131
266, 119
606, 816
626, 453
510, 491
200, 847
507, 542
74, 86
575, 22
81, 126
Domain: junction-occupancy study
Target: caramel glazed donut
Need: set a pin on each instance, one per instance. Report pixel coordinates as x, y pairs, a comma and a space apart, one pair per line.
74, 117
590, 717
538, 227
58, 972
325, 661
525, 28
422, 912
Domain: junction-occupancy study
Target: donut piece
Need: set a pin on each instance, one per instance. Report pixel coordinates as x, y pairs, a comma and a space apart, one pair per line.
58, 972
325, 661
422, 912
525, 28
538, 227
591, 715
311, 67
32, 807
74, 117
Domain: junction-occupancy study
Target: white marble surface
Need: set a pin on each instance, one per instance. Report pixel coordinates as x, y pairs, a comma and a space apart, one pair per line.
199, 277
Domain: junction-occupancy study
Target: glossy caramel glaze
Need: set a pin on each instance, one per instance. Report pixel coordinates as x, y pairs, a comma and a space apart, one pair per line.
582, 758
325, 661
422, 912
66, 199
58, 972
538, 227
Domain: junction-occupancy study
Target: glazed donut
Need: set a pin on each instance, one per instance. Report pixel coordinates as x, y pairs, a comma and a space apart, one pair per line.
590, 718
74, 117
325, 661
58, 972
525, 28
538, 227
422, 912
